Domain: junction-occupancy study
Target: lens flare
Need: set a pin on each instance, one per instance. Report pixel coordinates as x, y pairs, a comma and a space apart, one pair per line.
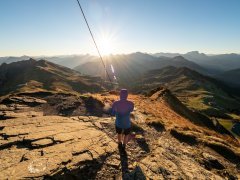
112, 68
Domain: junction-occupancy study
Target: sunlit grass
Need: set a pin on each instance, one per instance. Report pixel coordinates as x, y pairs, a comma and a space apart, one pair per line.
226, 123
234, 116
197, 103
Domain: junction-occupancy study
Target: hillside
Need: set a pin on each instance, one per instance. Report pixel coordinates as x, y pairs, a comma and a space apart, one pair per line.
32, 75
230, 77
82, 144
201, 93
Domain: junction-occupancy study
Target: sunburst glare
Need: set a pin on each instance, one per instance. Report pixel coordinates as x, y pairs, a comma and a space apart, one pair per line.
106, 43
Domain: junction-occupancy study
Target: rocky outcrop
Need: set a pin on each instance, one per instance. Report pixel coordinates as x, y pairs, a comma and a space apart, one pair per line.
51, 146
38, 104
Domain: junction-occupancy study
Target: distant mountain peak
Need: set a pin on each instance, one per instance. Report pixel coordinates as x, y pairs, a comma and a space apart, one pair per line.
193, 52
31, 59
196, 54
179, 58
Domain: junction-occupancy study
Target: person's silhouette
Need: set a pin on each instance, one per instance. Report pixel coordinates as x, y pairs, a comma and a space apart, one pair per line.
122, 109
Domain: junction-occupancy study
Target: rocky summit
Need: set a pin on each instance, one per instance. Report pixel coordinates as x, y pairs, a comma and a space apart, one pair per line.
81, 144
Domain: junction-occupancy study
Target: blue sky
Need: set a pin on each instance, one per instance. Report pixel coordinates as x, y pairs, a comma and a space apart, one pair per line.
55, 27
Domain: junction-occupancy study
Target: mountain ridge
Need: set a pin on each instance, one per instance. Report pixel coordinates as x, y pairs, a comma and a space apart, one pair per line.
43, 75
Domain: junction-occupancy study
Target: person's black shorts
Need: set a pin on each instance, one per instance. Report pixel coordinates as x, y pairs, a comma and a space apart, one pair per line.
123, 131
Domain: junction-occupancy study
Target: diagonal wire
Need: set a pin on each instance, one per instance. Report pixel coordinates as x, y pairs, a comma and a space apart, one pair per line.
94, 41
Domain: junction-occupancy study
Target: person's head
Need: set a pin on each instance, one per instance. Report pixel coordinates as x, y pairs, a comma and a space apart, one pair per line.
123, 94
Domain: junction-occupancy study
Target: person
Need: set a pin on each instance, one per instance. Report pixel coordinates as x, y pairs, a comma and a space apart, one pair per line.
122, 109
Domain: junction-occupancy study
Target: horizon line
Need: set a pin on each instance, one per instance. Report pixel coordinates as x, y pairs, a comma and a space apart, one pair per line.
114, 54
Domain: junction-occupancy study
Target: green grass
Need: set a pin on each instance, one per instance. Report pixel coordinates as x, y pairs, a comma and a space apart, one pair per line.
226, 123
197, 103
234, 116
214, 103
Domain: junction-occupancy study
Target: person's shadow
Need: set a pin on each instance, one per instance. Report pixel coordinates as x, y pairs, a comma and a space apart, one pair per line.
137, 173
124, 162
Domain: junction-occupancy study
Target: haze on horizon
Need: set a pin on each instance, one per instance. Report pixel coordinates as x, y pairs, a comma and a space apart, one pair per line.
57, 27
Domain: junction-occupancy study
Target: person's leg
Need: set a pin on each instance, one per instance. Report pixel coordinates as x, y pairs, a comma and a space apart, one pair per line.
119, 138
125, 140
126, 137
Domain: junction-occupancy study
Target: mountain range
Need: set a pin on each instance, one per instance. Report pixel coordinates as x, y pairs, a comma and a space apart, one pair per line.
69, 61
213, 65
54, 121
128, 68
219, 62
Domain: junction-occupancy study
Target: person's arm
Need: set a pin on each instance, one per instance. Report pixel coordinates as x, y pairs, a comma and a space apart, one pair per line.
132, 117
132, 108
113, 109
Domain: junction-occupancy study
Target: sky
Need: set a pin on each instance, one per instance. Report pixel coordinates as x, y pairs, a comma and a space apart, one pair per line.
56, 27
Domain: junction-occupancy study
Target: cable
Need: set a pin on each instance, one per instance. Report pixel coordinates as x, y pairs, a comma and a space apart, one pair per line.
94, 41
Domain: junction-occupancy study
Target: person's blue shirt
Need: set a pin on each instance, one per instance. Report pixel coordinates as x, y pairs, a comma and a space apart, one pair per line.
122, 109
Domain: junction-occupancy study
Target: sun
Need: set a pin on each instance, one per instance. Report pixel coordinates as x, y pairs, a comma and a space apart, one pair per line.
106, 44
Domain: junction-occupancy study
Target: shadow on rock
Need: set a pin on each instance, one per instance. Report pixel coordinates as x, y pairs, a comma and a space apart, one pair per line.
124, 162
86, 170
143, 145
141, 141
157, 125
136, 173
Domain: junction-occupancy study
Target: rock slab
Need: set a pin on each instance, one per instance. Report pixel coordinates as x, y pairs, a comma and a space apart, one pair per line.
51, 146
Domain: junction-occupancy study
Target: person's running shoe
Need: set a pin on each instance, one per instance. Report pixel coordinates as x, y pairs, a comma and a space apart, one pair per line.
124, 147
124, 152
120, 146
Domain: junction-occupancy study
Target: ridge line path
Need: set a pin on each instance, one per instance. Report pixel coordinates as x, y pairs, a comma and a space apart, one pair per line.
137, 149
154, 151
